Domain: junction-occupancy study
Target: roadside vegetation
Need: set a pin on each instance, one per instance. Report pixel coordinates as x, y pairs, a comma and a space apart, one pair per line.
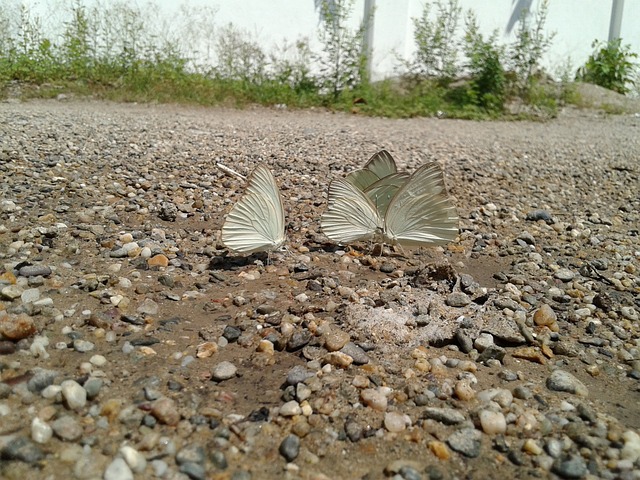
118, 50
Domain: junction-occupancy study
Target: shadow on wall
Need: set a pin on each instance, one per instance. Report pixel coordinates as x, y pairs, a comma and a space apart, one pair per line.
519, 6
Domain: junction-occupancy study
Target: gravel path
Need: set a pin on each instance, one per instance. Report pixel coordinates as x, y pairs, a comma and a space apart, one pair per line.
133, 345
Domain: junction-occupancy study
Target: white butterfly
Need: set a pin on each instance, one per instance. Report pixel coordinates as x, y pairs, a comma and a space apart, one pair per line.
379, 179
418, 213
256, 221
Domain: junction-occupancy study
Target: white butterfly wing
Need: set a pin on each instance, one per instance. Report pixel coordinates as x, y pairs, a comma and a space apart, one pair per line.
349, 216
380, 165
256, 221
421, 213
382, 191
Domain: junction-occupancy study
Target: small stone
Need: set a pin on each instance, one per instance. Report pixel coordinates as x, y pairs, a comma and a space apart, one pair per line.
448, 416
67, 428
290, 447
483, 341
74, 395
41, 379
159, 260
561, 381
92, 386
118, 470
439, 449
535, 215
395, 422
223, 371
30, 295
564, 275
493, 352
17, 327
10, 292
374, 399
206, 349
492, 423
290, 409
41, 431
571, 466
336, 339
165, 411
338, 359
82, 346
298, 374
464, 391
136, 461
22, 449
190, 453
458, 299
466, 441
631, 449
231, 333
545, 316
34, 271
531, 447
194, 471
358, 355
148, 307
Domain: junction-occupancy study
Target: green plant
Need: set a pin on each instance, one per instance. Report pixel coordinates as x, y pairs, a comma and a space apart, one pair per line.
610, 66
530, 45
436, 54
240, 57
342, 61
485, 57
290, 65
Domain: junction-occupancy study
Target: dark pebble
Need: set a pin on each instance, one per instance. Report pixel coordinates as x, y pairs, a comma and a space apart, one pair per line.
174, 386
194, 471
434, 473
41, 379
144, 342
353, 431
387, 267
231, 333
354, 351
410, 473
492, 352
290, 447
299, 339
572, 466
23, 450
260, 415
464, 341
516, 457
265, 309
190, 453
219, 460
149, 421
34, 270
7, 347
535, 215
466, 441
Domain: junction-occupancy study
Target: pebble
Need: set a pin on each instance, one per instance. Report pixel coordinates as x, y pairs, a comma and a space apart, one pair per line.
572, 466
458, 299
492, 423
335, 340
165, 411
67, 428
22, 449
466, 441
34, 271
396, 422
118, 470
83, 346
74, 395
561, 381
374, 399
41, 431
564, 274
290, 447
291, 408
448, 416
135, 460
17, 327
223, 371
148, 307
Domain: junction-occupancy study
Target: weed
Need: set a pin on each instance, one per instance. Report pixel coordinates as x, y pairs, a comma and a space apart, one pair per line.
437, 49
610, 66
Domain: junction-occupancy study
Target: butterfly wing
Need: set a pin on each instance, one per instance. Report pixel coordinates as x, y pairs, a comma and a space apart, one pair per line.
382, 191
380, 165
256, 221
349, 216
421, 213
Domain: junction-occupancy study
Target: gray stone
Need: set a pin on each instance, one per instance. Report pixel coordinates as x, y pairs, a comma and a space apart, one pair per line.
359, 356
448, 416
67, 428
298, 374
572, 466
561, 381
458, 299
466, 441
290, 447
41, 379
74, 395
34, 270
564, 274
83, 346
22, 449
190, 453
194, 471
224, 371
492, 352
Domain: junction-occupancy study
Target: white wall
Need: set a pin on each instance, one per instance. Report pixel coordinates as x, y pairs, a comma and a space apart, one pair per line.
576, 23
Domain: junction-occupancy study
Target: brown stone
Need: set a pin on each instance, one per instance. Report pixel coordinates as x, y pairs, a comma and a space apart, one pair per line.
17, 327
159, 260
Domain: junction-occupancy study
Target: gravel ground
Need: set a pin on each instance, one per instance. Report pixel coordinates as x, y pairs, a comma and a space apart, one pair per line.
133, 345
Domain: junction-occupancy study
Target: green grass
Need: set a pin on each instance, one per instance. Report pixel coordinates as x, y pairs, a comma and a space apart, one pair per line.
133, 65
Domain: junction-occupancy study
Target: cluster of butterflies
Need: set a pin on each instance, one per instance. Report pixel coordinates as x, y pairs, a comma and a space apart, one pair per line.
376, 203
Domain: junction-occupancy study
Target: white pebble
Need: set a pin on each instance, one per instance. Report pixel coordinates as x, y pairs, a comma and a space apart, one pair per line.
631, 449
290, 409
74, 394
396, 422
118, 470
41, 431
4, 409
493, 423
134, 459
52, 391
38, 345
374, 399
98, 360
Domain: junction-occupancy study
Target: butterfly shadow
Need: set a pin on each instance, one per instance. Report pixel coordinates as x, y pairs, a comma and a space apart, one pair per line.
234, 262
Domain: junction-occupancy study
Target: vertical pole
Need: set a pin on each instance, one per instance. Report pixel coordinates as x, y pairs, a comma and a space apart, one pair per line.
617, 7
367, 47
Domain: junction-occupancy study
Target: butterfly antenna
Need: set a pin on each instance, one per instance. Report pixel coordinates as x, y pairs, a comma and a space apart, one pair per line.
230, 171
